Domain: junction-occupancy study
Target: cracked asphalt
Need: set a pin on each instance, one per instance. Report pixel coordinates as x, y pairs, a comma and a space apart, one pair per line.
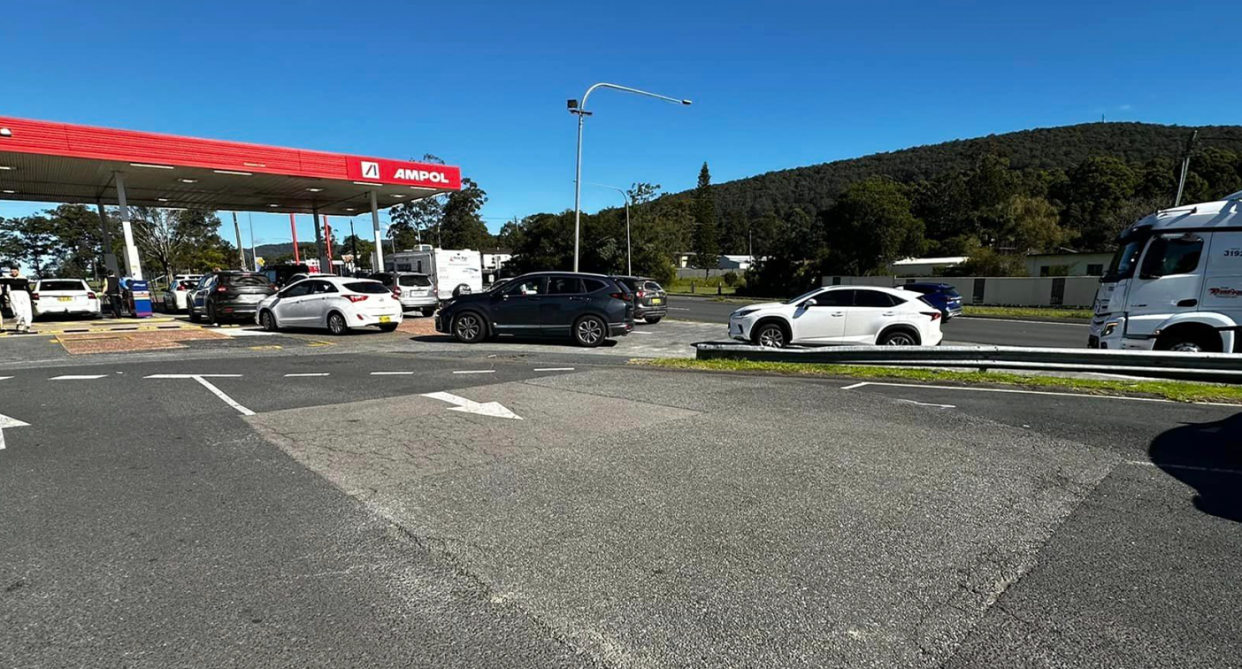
633, 518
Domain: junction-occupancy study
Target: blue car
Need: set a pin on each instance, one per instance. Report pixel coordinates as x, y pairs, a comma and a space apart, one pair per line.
941, 296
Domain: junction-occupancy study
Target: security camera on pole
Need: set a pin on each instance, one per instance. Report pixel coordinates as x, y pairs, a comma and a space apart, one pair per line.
579, 108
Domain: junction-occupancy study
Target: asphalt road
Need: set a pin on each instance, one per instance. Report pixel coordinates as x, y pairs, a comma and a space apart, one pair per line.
964, 330
323, 510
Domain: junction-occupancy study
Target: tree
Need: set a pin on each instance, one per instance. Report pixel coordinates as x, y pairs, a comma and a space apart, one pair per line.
32, 241
1097, 187
1030, 225
462, 227
706, 239
418, 221
180, 240
869, 226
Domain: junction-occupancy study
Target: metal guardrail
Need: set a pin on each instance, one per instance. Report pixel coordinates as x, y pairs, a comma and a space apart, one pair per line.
1216, 367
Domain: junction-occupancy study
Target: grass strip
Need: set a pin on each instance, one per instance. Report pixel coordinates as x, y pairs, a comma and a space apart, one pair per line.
1026, 312
1177, 391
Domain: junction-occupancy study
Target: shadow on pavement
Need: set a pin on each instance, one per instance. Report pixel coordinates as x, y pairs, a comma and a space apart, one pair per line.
547, 341
1207, 457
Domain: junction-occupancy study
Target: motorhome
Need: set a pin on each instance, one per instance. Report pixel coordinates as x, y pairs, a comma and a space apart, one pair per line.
452, 272
1175, 283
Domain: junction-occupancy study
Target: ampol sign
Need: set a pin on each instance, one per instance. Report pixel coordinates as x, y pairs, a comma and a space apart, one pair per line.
423, 175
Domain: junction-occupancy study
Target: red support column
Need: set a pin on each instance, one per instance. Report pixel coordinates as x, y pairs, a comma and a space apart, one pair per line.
293, 227
327, 233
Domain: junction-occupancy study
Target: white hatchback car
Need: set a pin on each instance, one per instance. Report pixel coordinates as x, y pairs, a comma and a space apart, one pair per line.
841, 315
336, 303
67, 297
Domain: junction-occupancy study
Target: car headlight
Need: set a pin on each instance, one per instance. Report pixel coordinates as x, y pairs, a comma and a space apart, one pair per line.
1109, 328
742, 313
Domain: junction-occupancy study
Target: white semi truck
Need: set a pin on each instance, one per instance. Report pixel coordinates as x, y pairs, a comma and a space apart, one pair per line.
1175, 283
452, 272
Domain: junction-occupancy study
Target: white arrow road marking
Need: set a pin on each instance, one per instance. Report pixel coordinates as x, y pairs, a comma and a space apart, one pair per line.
202, 380
77, 377
493, 409
6, 423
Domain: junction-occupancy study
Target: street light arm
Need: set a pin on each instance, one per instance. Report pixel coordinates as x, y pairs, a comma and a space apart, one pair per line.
627, 89
623, 193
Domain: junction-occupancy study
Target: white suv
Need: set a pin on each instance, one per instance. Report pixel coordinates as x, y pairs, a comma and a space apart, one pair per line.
841, 315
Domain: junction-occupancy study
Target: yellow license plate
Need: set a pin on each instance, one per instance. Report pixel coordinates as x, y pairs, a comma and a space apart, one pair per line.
656, 300
385, 319
65, 299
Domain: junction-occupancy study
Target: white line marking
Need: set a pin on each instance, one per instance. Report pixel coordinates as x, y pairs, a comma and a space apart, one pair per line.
244, 333
554, 369
1014, 320
641, 332
1193, 468
493, 409
77, 377
220, 393
306, 374
928, 404
391, 373
7, 422
5, 378
475, 371
193, 376
678, 309
1030, 392
856, 385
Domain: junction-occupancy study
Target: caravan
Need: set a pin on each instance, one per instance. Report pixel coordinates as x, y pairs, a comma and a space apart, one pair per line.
1175, 283
452, 273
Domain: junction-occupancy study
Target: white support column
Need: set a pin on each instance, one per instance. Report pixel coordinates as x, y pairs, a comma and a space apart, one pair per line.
133, 264
379, 240
109, 256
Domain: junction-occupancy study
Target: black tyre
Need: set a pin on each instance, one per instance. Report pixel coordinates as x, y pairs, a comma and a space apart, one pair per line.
590, 331
428, 311
652, 320
388, 327
898, 338
770, 335
212, 317
469, 328
194, 318
337, 325
268, 320
1188, 341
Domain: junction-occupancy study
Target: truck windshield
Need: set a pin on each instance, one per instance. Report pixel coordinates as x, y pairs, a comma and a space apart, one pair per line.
1124, 261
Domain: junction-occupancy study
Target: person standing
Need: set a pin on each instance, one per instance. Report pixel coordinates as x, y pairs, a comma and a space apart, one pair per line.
18, 291
112, 292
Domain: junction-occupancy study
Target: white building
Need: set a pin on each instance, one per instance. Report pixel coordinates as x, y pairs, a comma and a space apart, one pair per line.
685, 260
1067, 264
924, 266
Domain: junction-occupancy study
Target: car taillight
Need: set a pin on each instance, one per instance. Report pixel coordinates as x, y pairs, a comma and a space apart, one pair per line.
396, 291
935, 315
356, 298
91, 296
34, 296
222, 289
621, 296
639, 294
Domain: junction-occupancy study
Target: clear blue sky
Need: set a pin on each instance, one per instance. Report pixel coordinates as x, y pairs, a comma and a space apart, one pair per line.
484, 84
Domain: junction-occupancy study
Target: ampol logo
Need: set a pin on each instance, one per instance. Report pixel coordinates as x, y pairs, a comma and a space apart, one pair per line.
1225, 292
420, 175
370, 170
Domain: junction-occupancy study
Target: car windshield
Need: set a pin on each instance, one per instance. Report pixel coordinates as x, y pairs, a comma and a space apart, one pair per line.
803, 296
1125, 260
247, 280
415, 280
61, 285
367, 287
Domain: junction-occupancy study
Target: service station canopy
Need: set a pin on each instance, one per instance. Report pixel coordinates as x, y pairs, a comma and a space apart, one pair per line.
43, 161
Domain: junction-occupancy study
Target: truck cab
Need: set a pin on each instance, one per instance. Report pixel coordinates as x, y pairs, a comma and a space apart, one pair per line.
1175, 283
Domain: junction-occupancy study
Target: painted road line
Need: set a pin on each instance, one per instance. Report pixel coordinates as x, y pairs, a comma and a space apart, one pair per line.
220, 393
6, 423
475, 371
292, 376
242, 333
1191, 468
554, 369
1027, 392
192, 376
928, 404
641, 332
5, 378
493, 409
856, 385
77, 377
391, 373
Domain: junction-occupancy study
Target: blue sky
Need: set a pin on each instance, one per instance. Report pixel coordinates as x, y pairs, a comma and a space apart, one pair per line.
484, 84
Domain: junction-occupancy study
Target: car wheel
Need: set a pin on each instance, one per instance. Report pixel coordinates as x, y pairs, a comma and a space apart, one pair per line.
268, 320
212, 316
388, 327
337, 325
468, 328
898, 338
428, 311
193, 314
770, 335
652, 320
590, 331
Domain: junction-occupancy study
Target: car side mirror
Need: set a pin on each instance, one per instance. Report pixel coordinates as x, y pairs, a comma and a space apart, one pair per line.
810, 303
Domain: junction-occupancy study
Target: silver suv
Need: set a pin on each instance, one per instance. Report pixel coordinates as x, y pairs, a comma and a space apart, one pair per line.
415, 290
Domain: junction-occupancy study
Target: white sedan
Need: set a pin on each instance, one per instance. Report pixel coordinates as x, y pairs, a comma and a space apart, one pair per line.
66, 297
176, 298
841, 315
337, 303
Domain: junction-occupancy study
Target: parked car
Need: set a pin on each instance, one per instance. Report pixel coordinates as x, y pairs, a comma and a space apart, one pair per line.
841, 315
177, 297
650, 299
64, 297
940, 295
339, 304
452, 272
589, 308
226, 295
413, 289
301, 276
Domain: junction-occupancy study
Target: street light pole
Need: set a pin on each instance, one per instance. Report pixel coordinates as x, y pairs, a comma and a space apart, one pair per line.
629, 262
579, 108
